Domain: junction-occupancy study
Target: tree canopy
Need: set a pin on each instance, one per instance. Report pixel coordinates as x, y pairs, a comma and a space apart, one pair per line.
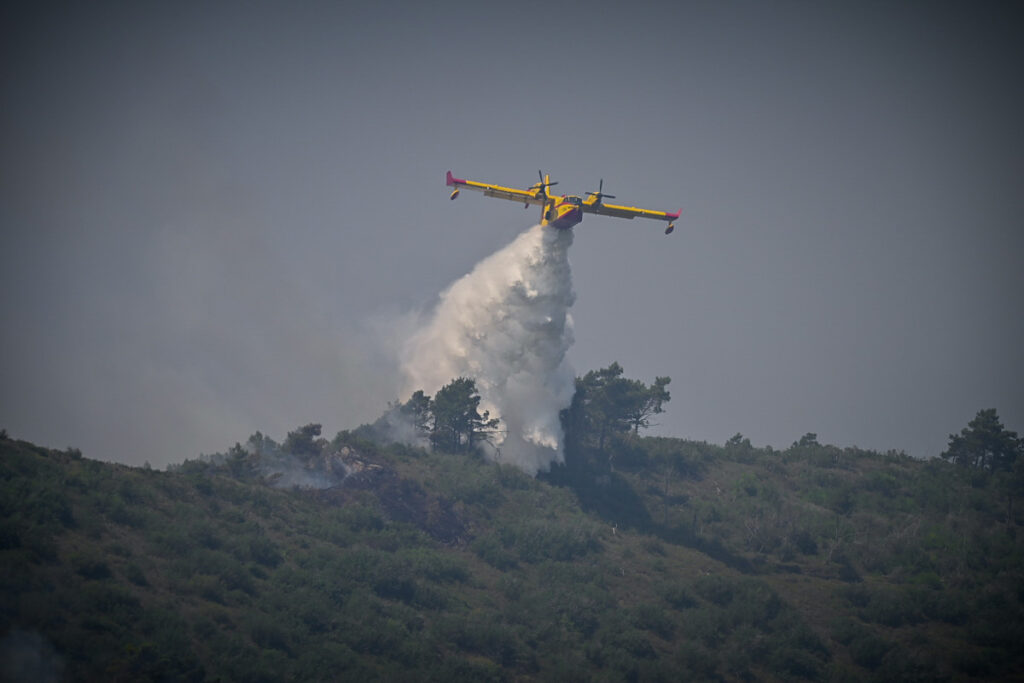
984, 444
458, 423
451, 420
606, 403
418, 411
304, 440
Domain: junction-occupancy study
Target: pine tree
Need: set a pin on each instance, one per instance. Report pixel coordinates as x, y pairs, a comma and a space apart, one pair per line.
984, 444
458, 425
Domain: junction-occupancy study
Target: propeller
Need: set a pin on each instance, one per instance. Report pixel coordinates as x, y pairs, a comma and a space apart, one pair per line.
599, 194
542, 186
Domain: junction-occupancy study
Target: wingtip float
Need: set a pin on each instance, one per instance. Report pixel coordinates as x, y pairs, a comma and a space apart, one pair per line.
564, 211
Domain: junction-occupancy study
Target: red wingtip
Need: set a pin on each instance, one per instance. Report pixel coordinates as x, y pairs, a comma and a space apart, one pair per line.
675, 215
452, 180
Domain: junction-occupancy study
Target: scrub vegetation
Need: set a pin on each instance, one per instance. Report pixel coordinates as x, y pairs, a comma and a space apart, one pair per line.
646, 559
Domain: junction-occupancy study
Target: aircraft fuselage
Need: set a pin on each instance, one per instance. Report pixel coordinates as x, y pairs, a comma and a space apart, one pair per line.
563, 212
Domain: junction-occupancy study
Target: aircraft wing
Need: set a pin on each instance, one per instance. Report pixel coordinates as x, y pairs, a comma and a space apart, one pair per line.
628, 211
510, 193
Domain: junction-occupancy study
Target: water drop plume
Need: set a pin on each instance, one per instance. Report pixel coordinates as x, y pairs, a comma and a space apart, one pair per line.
507, 326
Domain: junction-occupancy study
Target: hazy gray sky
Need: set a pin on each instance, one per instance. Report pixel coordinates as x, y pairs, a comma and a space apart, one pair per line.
210, 210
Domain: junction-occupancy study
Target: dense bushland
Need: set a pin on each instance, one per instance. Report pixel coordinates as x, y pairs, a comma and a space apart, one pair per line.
640, 559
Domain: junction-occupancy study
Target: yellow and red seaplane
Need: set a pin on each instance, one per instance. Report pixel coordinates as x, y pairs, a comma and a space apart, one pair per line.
562, 212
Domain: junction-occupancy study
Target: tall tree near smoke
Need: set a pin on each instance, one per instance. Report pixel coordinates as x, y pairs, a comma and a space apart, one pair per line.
418, 411
304, 440
507, 325
458, 423
606, 403
644, 402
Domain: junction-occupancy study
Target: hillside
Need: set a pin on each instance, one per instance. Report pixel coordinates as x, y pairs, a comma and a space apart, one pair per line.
651, 559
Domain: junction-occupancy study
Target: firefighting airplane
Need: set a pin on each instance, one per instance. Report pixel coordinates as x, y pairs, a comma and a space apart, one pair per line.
565, 211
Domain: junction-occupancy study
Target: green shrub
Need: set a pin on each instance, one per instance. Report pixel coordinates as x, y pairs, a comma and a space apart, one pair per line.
360, 518
90, 566
134, 573
434, 565
266, 633
793, 662
868, 650
109, 600
695, 662
48, 508
535, 540
901, 664
653, 546
264, 551
654, 619
716, 589
463, 670
678, 596
891, 607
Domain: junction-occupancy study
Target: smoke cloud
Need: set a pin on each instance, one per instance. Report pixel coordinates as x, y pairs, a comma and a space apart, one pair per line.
507, 326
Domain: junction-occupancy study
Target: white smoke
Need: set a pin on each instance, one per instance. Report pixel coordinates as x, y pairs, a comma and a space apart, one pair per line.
507, 326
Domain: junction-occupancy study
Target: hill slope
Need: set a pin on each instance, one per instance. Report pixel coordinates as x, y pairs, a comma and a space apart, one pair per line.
658, 559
